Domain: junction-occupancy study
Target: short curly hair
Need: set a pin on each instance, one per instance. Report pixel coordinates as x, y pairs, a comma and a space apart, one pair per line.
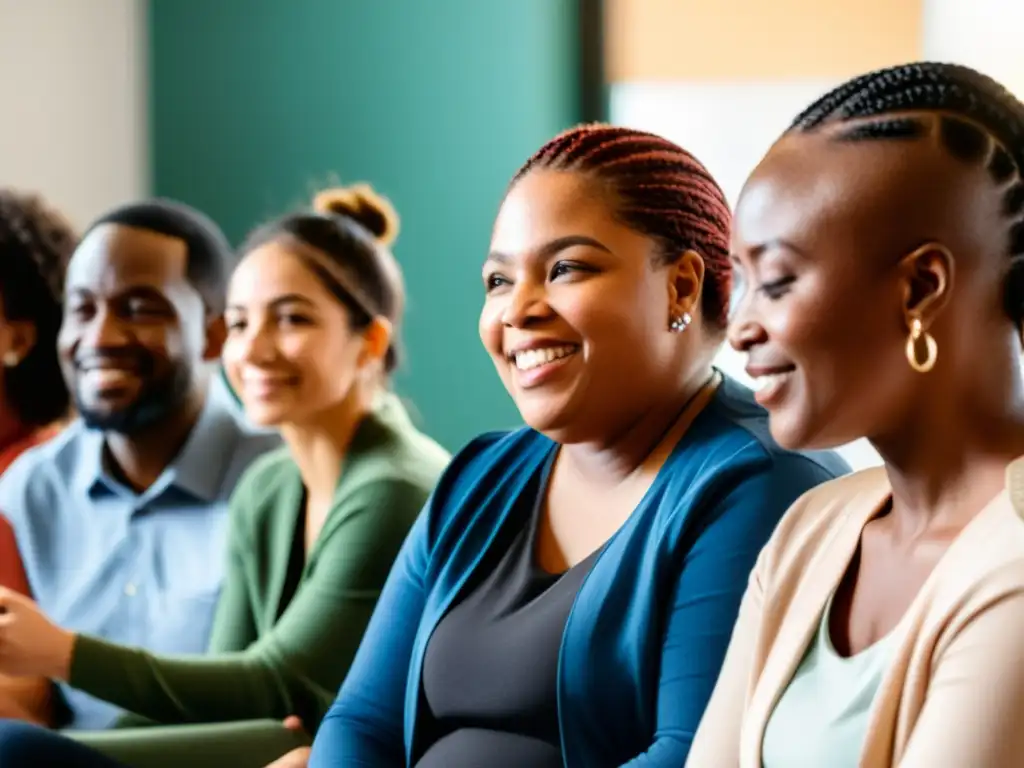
36, 243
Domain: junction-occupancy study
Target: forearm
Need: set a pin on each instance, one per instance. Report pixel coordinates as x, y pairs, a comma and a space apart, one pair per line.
250, 743
224, 687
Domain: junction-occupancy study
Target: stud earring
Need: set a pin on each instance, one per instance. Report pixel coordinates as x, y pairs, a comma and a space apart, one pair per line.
11, 359
917, 333
679, 324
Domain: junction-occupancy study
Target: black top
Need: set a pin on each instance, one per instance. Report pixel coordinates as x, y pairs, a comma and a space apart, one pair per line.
490, 671
296, 561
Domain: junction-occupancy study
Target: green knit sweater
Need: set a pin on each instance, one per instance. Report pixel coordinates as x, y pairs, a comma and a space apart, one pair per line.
267, 660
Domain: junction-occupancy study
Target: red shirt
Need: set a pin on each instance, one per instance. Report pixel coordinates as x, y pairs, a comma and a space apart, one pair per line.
12, 574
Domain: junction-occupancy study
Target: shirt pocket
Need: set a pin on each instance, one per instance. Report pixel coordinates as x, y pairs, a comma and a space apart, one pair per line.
181, 622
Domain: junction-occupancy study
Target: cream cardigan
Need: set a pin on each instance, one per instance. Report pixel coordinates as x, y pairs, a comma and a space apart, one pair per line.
953, 696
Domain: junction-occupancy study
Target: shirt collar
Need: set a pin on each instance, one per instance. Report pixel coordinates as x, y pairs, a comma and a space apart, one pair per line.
198, 469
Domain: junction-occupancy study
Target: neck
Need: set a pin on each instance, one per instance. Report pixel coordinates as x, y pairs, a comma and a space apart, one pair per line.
949, 461
141, 457
318, 445
653, 432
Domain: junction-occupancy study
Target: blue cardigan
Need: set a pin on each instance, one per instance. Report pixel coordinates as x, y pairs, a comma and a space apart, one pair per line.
648, 632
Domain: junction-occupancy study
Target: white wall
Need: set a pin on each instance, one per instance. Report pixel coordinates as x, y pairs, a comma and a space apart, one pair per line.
73, 95
984, 34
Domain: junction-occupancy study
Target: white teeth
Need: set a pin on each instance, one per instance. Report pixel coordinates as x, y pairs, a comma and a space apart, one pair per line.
107, 377
770, 380
531, 358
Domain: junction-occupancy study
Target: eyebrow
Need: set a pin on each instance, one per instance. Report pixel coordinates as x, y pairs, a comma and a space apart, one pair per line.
549, 249
277, 301
758, 250
132, 291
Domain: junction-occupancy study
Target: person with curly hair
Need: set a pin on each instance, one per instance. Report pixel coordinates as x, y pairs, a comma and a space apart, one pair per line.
36, 242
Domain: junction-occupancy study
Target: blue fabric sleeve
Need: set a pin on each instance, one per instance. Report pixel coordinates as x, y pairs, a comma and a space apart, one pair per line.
364, 726
707, 599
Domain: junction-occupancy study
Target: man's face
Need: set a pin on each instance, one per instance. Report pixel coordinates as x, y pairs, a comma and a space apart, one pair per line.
133, 336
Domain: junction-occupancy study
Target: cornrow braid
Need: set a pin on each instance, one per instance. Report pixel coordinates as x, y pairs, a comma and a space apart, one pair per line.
967, 99
662, 191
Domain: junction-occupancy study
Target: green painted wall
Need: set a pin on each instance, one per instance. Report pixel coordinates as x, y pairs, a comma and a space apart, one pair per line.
256, 103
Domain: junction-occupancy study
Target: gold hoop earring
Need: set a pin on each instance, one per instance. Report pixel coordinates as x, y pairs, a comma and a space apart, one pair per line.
917, 332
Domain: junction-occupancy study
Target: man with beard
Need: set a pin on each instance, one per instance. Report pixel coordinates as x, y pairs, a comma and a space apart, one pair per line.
120, 520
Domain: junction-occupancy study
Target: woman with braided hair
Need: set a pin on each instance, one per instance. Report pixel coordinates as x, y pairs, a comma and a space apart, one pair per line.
881, 241
567, 596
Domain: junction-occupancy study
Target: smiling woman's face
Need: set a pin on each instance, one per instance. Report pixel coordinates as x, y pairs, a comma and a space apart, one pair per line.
576, 310
830, 244
291, 354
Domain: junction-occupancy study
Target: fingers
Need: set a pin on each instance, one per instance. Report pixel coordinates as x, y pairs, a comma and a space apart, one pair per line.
293, 723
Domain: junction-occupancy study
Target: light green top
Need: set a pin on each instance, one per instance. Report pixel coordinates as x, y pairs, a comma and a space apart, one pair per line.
822, 716
271, 657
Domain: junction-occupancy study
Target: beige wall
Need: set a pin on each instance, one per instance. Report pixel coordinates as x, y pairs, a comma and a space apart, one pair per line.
72, 83
758, 39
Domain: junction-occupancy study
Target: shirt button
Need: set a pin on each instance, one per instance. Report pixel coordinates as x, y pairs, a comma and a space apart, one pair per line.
129, 589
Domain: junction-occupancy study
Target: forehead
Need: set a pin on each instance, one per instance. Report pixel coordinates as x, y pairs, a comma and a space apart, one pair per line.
273, 270
883, 196
545, 205
113, 257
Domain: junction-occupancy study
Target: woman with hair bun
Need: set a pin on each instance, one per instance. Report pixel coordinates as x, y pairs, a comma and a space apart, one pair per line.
313, 313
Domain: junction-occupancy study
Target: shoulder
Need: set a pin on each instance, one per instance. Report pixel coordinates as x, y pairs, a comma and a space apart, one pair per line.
486, 475
45, 468
727, 476
390, 449
729, 452
250, 441
400, 449
492, 454
265, 475
831, 502
827, 516
986, 562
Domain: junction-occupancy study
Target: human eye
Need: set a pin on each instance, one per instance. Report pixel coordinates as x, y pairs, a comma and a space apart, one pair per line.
569, 268
495, 281
776, 289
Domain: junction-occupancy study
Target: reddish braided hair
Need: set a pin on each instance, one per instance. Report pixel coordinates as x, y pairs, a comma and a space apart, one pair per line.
662, 192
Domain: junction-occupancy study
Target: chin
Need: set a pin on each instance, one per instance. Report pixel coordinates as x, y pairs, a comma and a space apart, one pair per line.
263, 415
551, 420
790, 433
796, 436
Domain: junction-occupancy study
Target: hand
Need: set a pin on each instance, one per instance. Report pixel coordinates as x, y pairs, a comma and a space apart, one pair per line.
297, 758
30, 644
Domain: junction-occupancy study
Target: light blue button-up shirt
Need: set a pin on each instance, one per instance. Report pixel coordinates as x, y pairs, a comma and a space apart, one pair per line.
142, 569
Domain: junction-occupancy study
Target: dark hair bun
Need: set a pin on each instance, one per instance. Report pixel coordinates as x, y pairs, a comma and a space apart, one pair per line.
362, 204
